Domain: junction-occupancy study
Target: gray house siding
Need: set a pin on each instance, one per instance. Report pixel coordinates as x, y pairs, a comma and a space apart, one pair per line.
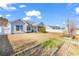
15, 24
23, 27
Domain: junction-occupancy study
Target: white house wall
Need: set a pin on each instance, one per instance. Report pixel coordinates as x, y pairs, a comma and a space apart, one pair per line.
24, 28
5, 30
8, 29
1, 30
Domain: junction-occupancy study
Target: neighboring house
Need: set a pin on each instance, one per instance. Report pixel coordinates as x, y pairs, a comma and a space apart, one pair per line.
19, 26
56, 29
5, 29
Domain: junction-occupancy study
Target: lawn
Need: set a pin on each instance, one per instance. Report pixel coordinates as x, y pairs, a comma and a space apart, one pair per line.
47, 41
51, 43
22, 41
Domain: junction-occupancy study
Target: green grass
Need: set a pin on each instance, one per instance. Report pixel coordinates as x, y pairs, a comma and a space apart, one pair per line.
51, 43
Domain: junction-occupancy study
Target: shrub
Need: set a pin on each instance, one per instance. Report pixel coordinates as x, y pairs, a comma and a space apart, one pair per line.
42, 29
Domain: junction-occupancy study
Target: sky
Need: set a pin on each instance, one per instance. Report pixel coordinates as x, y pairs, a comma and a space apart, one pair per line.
48, 13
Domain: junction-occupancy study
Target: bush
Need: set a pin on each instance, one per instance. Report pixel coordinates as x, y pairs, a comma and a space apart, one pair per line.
42, 29
3, 21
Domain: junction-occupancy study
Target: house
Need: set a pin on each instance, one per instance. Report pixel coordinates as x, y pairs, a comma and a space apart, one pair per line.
19, 26
22, 26
56, 29
3, 25
5, 29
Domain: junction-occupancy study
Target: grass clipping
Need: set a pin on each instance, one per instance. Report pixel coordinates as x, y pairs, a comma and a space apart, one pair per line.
51, 43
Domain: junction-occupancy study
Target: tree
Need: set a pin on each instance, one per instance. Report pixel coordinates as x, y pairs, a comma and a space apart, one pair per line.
42, 27
71, 26
3, 21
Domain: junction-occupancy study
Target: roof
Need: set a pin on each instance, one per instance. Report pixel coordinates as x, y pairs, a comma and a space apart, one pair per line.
20, 21
56, 27
25, 22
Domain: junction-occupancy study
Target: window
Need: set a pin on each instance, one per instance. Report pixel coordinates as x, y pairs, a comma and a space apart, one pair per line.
19, 27
28, 28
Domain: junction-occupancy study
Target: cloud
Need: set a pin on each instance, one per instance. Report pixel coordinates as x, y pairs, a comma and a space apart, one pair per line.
12, 8
39, 17
0, 15
77, 10
8, 15
7, 6
31, 13
26, 18
22, 6
34, 13
4, 5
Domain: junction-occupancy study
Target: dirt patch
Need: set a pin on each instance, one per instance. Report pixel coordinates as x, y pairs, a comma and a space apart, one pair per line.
18, 40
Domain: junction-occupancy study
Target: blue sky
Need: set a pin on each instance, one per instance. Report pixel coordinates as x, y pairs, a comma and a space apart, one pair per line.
49, 13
